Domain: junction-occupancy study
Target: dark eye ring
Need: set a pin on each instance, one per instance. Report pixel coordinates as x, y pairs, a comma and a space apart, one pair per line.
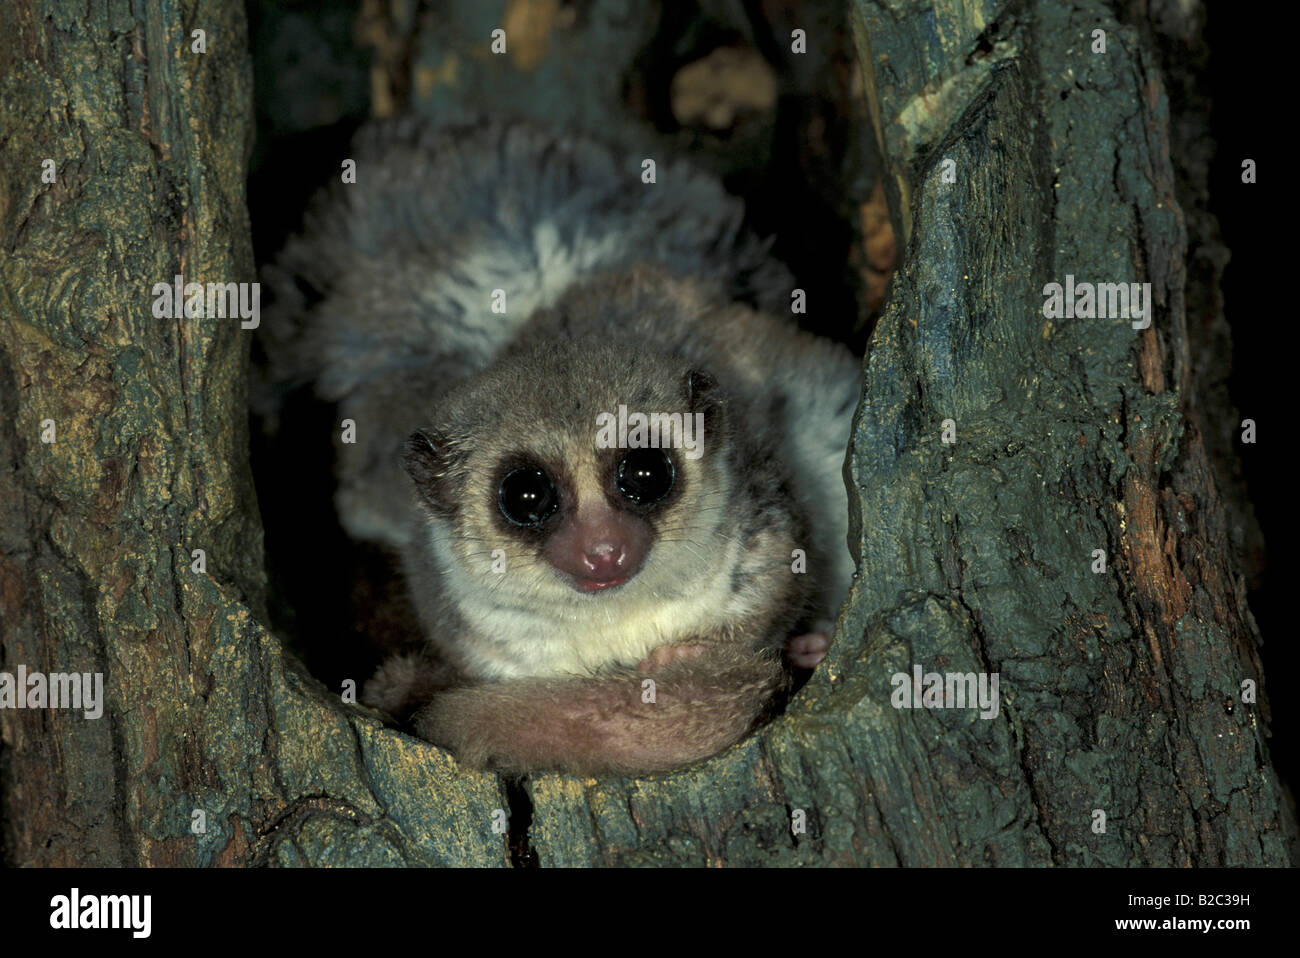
646, 476
527, 496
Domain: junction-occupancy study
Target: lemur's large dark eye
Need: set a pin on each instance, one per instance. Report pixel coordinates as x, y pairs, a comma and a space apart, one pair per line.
645, 475
527, 496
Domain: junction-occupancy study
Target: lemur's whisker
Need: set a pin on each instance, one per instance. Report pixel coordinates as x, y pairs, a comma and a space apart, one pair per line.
610, 466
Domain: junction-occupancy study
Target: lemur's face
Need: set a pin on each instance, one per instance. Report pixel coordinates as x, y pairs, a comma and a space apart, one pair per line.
594, 473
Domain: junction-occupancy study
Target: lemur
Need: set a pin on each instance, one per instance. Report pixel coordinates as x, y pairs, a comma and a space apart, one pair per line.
616, 488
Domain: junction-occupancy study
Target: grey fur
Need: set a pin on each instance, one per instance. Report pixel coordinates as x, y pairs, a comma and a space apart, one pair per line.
617, 292
385, 297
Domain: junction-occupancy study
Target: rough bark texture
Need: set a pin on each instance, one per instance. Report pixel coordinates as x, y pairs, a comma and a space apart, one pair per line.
1120, 691
203, 710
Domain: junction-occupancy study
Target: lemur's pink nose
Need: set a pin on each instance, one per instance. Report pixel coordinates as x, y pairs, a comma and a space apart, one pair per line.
599, 548
605, 560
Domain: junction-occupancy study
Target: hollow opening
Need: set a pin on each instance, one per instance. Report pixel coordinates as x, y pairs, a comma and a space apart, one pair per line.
797, 153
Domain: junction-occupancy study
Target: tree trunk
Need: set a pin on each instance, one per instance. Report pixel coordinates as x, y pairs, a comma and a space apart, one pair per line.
1121, 691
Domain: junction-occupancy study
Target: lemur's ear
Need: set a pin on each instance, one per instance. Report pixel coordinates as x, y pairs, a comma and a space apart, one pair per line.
701, 391
426, 461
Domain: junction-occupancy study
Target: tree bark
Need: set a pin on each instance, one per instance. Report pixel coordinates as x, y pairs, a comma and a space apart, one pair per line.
1121, 691
204, 713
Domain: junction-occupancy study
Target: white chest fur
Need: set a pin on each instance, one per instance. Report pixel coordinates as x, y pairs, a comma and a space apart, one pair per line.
544, 635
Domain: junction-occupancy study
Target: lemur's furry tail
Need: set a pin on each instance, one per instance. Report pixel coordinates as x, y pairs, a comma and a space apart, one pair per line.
420, 271
615, 724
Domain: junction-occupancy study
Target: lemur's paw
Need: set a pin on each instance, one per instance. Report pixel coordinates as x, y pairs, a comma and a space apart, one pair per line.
668, 654
807, 650
396, 683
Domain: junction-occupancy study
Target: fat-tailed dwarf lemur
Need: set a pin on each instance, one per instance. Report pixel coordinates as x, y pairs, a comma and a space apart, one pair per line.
616, 488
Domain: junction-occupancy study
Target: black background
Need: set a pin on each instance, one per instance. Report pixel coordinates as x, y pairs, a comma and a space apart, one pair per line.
1256, 285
